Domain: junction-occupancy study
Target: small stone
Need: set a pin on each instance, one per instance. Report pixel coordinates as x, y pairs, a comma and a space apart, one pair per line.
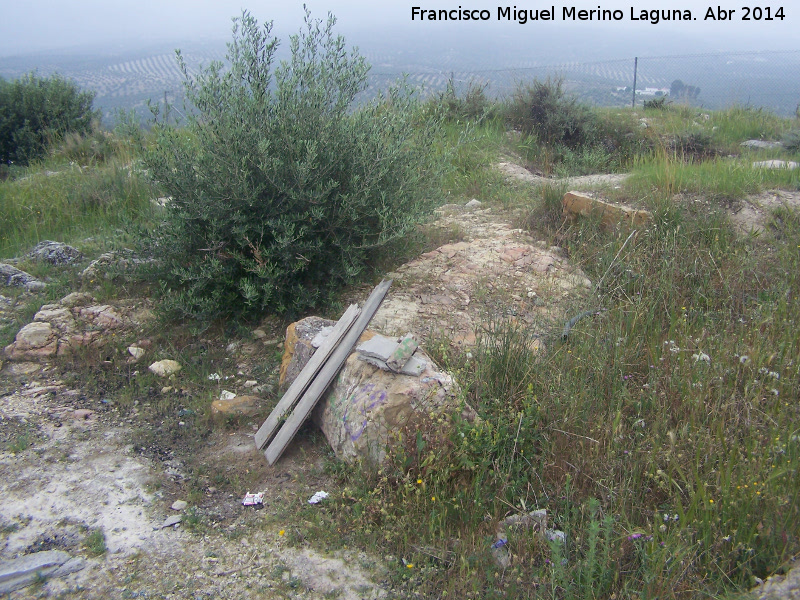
259, 334
136, 352
166, 389
250, 383
473, 204
226, 395
179, 505
82, 413
238, 405
165, 368
171, 521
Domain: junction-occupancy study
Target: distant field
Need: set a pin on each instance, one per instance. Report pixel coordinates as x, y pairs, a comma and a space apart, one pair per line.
769, 79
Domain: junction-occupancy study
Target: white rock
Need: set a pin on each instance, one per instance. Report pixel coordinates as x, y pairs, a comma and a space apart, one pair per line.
136, 352
179, 505
165, 368
775, 164
226, 395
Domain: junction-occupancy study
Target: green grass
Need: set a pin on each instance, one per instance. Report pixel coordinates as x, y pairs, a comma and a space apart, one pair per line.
101, 200
665, 174
95, 543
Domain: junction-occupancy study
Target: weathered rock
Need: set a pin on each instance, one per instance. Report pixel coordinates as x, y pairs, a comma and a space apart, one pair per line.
366, 405
473, 204
179, 505
171, 521
576, 204
761, 144
165, 368
34, 341
776, 164
298, 348
136, 352
77, 299
110, 264
238, 405
780, 587
26, 570
55, 253
102, 316
58, 317
13, 277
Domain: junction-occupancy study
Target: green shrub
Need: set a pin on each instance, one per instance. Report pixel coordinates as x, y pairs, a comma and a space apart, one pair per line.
543, 109
657, 104
35, 111
695, 144
474, 105
281, 190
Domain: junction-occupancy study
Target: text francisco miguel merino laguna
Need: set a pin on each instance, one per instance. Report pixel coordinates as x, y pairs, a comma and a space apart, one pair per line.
570, 13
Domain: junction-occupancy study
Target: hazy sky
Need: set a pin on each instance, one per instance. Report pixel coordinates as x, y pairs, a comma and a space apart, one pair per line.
54, 24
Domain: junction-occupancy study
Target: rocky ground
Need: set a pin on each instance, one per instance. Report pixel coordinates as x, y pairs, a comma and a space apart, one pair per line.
78, 464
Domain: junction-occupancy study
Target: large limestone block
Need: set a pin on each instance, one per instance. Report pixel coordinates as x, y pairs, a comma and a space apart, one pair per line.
576, 204
366, 405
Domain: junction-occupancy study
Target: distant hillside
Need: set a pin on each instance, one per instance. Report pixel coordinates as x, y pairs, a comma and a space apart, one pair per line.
591, 68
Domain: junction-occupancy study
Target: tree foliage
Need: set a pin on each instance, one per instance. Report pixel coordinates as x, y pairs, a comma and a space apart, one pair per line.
281, 189
35, 111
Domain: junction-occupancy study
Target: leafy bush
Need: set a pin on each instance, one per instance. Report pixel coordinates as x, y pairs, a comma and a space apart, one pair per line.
543, 109
695, 144
35, 111
281, 190
657, 104
472, 106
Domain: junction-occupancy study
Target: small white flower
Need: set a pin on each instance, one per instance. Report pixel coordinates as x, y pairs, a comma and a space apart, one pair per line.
701, 357
662, 528
214, 377
674, 349
744, 359
775, 392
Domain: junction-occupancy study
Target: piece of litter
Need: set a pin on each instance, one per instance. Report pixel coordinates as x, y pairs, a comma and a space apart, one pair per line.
499, 543
318, 497
253, 499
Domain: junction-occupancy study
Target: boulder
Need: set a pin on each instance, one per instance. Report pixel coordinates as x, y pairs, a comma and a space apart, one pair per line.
34, 341
65, 326
13, 277
761, 144
55, 253
366, 404
576, 204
